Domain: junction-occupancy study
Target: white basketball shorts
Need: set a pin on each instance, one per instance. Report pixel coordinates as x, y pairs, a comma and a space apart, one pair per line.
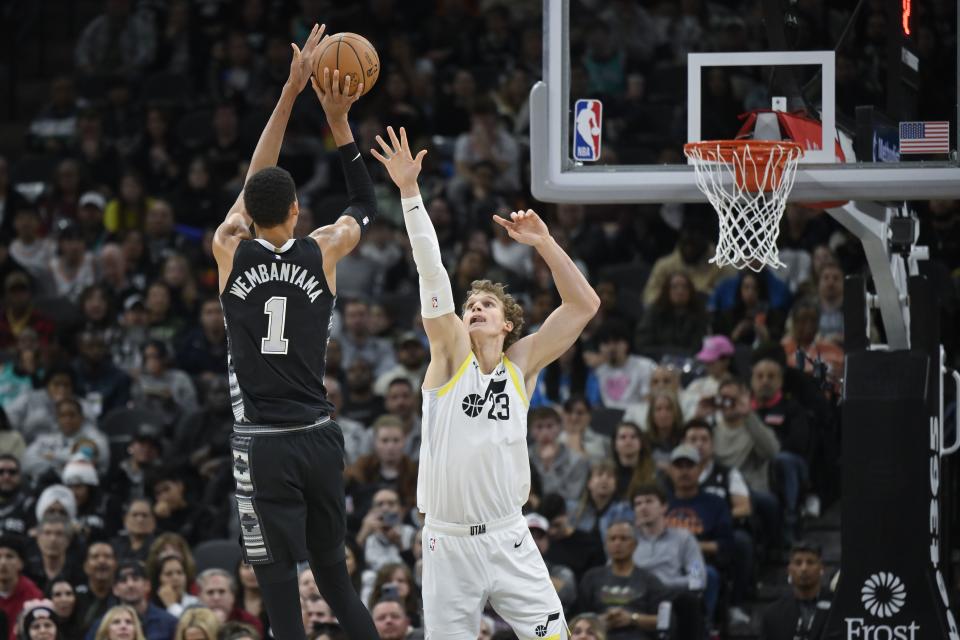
464, 566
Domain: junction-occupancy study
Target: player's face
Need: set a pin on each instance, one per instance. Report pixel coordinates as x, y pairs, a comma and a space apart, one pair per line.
484, 317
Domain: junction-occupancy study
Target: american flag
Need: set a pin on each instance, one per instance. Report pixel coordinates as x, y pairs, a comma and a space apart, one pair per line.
925, 137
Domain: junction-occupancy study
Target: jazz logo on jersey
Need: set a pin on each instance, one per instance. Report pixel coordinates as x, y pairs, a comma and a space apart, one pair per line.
473, 403
588, 118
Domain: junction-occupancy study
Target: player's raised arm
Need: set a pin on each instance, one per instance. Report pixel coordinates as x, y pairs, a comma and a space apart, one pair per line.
579, 301
449, 342
236, 225
338, 239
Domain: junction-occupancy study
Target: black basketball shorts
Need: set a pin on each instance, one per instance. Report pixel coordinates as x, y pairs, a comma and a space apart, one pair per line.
290, 492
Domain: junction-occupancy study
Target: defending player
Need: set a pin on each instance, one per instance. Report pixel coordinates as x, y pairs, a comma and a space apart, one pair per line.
474, 471
277, 293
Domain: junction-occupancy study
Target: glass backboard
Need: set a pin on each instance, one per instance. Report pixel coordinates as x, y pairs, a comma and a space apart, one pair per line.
627, 83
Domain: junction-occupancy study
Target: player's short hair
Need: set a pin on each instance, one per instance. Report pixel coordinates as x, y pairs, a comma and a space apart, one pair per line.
267, 195
512, 312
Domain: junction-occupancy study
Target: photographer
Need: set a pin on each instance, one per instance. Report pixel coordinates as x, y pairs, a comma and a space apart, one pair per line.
383, 536
742, 442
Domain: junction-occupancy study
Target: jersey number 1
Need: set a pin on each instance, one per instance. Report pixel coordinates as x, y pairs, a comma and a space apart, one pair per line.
276, 310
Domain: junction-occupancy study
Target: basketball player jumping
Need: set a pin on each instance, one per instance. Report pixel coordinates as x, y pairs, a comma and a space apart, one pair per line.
474, 470
277, 293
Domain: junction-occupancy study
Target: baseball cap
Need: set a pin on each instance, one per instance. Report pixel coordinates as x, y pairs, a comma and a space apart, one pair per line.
714, 348
80, 471
537, 521
94, 199
148, 432
128, 568
407, 337
132, 301
685, 452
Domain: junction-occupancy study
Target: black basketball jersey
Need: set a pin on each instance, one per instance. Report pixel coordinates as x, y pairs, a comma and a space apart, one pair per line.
277, 308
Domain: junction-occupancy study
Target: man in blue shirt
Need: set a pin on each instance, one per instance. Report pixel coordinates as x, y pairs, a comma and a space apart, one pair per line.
132, 588
704, 515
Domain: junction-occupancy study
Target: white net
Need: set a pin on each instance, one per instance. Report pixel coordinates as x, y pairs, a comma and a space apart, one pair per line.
747, 182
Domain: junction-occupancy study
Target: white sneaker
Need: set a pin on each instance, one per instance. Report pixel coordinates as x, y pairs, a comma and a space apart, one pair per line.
738, 616
811, 505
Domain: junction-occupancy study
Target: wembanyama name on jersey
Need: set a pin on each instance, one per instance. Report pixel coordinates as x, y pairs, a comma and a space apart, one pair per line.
284, 272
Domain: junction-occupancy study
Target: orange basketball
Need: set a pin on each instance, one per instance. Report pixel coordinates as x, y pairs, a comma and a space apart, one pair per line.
353, 55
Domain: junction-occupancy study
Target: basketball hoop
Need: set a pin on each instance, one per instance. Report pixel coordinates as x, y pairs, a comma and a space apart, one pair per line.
747, 182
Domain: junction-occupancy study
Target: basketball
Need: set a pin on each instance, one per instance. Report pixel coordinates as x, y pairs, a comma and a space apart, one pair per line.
354, 56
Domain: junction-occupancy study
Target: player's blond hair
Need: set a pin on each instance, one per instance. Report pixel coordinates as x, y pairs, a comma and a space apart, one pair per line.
512, 312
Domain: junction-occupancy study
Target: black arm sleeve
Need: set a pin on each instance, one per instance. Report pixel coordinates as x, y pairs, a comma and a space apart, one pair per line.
362, 205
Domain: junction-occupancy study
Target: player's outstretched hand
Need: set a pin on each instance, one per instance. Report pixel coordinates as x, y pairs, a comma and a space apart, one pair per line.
397, 158
301, 66
336, 104
525, 227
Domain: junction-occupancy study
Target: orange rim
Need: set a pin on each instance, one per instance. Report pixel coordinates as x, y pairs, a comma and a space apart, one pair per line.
730, 149
761, 151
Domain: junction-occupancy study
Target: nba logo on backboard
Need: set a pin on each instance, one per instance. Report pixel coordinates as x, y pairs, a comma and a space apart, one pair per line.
588, 118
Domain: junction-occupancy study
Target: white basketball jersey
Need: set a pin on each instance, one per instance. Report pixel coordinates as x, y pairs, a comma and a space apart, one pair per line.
474, 465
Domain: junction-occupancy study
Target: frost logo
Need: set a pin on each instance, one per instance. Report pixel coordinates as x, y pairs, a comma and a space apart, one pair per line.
883, 594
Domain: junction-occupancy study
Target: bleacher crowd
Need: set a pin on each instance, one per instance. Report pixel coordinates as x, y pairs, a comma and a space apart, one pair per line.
676, 449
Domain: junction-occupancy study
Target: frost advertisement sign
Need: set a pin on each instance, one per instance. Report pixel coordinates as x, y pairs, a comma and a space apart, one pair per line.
891, 585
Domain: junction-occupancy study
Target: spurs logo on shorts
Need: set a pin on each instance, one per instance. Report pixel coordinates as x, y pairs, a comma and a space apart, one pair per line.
241, 463
254, 541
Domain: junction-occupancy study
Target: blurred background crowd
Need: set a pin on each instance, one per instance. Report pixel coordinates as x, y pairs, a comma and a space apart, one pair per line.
687, 441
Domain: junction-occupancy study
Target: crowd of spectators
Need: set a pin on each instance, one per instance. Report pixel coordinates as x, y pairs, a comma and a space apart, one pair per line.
675, 449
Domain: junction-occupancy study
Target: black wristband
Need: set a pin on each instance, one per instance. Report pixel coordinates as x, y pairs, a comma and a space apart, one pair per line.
362, 199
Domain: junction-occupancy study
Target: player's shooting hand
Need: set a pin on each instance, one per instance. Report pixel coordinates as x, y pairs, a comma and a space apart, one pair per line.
301, 66
398, 160
336, 104
525, 227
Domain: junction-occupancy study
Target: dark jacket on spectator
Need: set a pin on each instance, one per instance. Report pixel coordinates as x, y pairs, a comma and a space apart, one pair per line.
789, 421
782, 620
